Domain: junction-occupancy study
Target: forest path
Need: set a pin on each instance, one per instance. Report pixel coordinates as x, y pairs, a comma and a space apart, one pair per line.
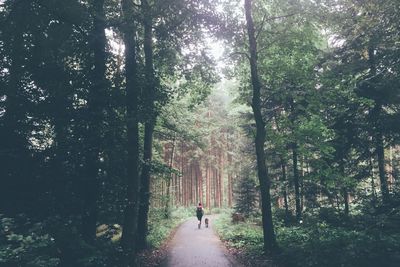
192, 247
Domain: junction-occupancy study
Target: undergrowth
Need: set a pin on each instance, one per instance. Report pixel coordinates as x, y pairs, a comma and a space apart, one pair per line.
160, 227
320, 240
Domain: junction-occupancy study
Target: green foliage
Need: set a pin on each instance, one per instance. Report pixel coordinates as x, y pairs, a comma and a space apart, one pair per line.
245, 236
160, 228
246, 193
324, 245
325, 238
214, 211
26, 246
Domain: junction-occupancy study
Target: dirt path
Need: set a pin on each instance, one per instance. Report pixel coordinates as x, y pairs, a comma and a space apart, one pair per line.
191, 247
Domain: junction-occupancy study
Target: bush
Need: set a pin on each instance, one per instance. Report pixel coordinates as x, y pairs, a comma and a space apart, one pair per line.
315, 242
26, 244
239, 235
160, 227
323, 245
280, 216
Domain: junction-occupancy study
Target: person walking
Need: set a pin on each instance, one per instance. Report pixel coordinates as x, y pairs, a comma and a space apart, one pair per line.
199, 213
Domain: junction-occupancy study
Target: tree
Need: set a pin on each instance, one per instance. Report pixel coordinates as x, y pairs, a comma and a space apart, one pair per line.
96, 109
150, 120
246, 193
367, 54
265, 183
129, 29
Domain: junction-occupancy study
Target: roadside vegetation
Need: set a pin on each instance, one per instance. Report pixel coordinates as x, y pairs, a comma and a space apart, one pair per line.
323, 238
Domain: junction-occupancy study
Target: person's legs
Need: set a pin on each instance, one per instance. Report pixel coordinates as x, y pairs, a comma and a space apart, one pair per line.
199, 218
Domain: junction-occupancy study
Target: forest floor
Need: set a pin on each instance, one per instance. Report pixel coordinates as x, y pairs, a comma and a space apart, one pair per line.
193, 247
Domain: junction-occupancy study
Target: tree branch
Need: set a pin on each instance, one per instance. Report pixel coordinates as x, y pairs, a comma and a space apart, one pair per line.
240, 54
265, 19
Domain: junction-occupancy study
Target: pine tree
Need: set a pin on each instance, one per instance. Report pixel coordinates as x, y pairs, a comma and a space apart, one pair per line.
246, 194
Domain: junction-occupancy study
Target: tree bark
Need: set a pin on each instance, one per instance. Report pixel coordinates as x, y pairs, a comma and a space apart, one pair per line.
170, 165
285, 197
208, 199
128, 239
96, 106
230, 175
265, 183
149, 125
379, 143
296, 181
380, 152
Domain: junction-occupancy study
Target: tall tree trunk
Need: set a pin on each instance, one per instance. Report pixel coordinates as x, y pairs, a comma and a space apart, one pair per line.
296, 178
96, 103
192, 182
145, 186
215, 187
378, 135
265, 183
371, 168
129, 232
149, 124
296, 181
181, 183
229, 158
346, 201
201, 182
285, 197
208, 186
345, 192
380, 152
221, 178
170, 165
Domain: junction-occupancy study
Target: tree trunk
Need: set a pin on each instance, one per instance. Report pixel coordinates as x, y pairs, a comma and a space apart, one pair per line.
96, 103
145, 186
373, 187
149, 125
381, 155
285, 198
208, 187
346, 201
296, 181
182, 183
229, 158
128, 238
215, 187
170, 165
221, 178
265, 183
379, 143
345, 192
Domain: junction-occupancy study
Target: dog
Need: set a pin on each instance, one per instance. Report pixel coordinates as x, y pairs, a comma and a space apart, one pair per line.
206, 222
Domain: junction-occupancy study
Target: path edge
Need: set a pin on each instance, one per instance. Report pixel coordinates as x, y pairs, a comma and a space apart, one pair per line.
160, 254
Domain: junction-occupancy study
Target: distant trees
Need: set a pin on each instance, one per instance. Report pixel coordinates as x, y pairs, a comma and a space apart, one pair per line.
198, 157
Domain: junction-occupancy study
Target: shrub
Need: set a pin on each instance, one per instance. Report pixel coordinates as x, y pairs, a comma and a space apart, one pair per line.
27, 246
323, 245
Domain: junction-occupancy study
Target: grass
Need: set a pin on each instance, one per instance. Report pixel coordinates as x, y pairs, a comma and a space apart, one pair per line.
160, 228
